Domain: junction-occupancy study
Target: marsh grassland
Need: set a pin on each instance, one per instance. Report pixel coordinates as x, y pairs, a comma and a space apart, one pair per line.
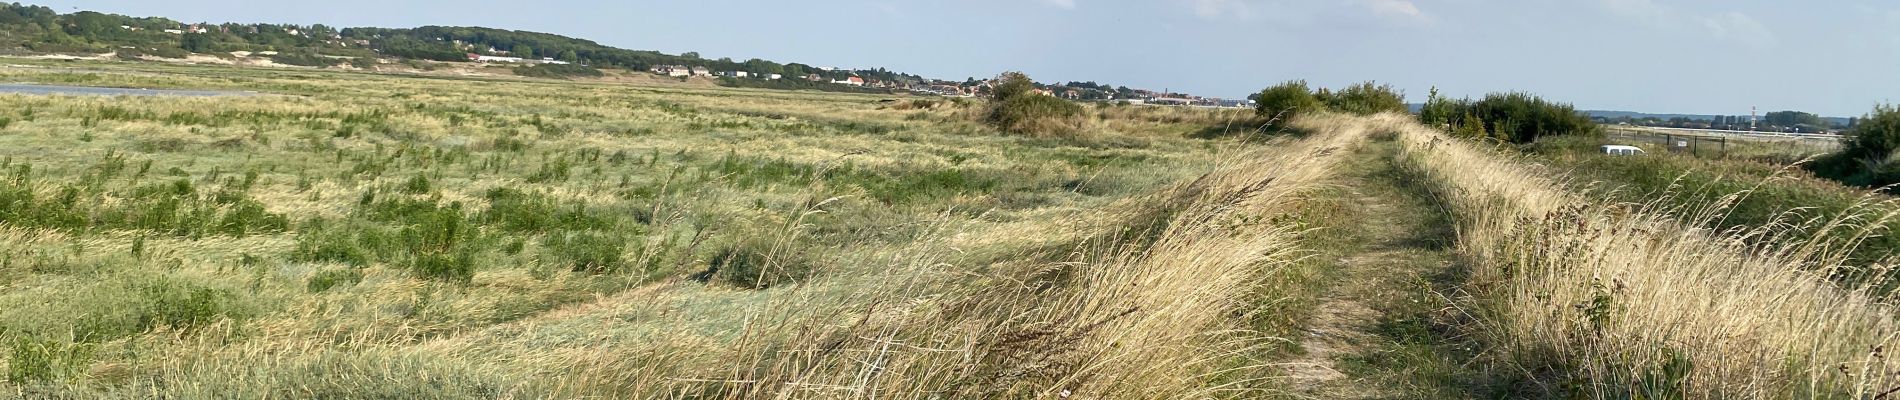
360, 235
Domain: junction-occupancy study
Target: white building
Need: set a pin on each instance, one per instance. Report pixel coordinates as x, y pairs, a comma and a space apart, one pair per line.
481, 58
673, 70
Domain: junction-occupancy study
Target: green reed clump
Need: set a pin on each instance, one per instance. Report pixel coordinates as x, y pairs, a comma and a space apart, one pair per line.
519, 211
590, 252
757, 264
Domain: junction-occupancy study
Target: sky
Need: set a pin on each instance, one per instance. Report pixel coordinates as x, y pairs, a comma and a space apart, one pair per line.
1831, 57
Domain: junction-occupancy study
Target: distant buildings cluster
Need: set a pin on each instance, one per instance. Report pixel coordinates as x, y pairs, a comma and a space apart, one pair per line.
971, 88
517, 60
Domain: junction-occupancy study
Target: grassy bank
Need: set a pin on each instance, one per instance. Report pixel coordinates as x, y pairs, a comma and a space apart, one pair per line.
1739, 193
1595, 298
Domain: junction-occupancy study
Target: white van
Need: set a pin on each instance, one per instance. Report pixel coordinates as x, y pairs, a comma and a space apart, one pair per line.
1620, 150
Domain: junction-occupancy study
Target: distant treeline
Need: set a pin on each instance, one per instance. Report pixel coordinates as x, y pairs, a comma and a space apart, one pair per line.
40, 29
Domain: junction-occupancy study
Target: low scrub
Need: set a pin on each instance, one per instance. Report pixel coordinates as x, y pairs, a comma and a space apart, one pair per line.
1282, 102
1506, 117
1016, 107
1364, 98
1290, 99
1867, 158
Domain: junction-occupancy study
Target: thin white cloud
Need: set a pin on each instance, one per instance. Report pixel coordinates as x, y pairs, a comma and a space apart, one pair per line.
1067, 4
1403, 8
1646, 11
1216, 9
1739, 27
1396, 10
1731, 26
888, 9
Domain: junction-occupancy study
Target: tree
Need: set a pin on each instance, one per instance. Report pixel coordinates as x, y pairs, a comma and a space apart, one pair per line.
1286, 100
569, 56
1867, 156
523, 51
1010, 85
195, 42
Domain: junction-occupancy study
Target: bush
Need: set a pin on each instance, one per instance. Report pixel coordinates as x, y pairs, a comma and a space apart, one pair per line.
1366, 98
1867, 154
1507, 117
1015, 107
1287, 100
557, 71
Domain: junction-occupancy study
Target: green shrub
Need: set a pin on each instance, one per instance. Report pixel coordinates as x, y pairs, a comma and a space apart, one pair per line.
1867, 155
1366, 98
1508, 117
1015, 107
1287, 100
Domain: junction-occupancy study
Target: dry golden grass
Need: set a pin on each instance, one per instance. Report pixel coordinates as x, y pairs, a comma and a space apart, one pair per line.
1633, 301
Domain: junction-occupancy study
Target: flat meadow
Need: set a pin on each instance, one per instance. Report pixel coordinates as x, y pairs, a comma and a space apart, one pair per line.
372, 235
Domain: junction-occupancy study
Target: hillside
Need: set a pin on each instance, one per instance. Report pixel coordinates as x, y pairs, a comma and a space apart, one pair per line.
41, 29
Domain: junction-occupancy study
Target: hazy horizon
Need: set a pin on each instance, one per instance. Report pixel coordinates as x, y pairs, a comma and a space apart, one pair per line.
1653, 56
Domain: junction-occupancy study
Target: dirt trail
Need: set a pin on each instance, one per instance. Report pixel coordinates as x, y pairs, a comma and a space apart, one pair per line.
1372, 334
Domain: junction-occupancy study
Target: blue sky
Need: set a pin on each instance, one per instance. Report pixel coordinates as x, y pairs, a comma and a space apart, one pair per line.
1833, 57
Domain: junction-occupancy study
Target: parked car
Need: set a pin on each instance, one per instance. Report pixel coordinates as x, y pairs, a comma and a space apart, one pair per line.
1621, 150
